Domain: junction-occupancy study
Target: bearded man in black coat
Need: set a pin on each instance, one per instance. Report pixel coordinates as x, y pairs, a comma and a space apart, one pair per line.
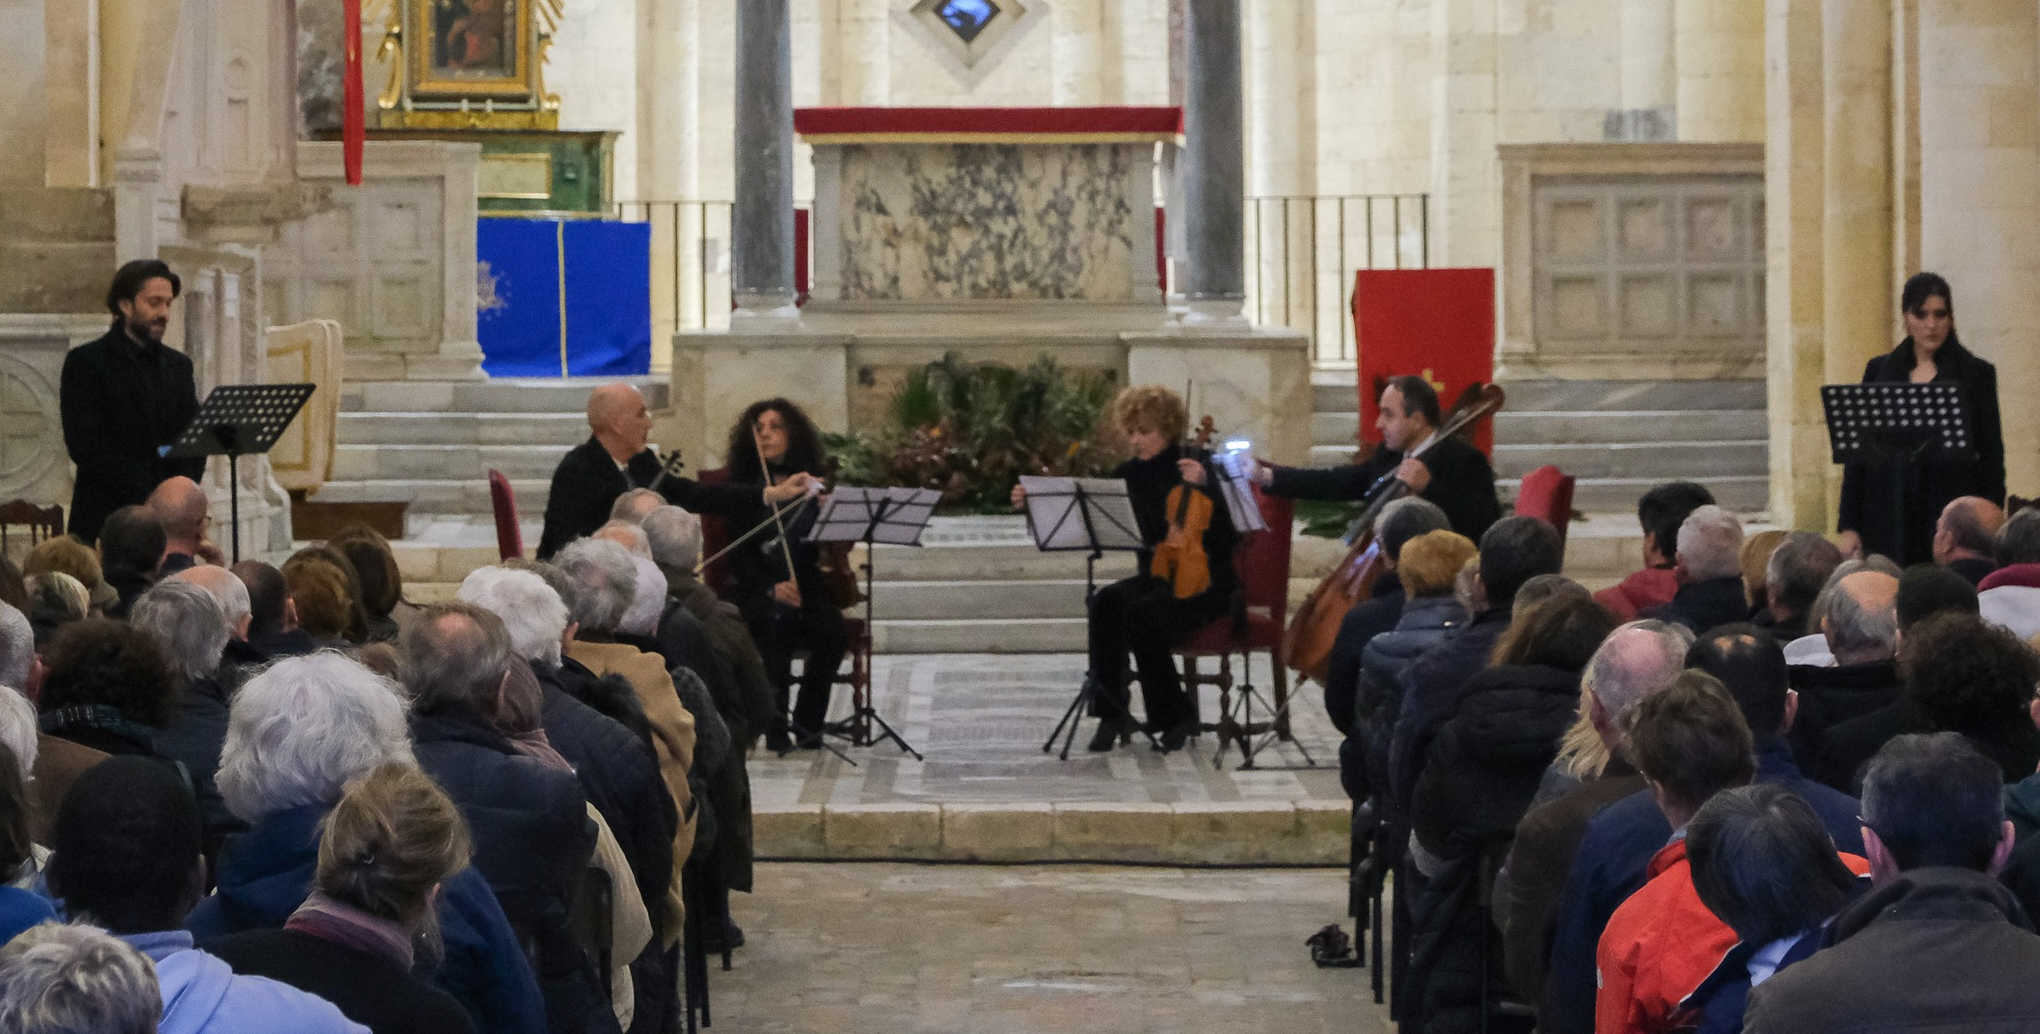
124, 397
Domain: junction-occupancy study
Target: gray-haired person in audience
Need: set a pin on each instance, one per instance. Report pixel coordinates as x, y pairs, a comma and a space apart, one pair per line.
75, 979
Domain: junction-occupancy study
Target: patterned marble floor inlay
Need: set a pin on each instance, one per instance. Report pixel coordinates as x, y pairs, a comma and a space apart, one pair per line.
980, 721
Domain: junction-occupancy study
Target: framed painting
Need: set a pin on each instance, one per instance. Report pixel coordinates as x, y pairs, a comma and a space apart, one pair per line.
470, 48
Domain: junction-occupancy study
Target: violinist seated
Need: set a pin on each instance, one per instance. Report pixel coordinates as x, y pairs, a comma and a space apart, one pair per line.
1145, 614
617, 457
1451, 473
776, 579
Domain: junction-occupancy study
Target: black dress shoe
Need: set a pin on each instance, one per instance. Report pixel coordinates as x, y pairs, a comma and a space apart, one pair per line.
1111, 731
1175, 736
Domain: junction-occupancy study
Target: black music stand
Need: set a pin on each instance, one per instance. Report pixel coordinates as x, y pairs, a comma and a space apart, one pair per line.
873, 516
1900, 425
239, 420
1091, 514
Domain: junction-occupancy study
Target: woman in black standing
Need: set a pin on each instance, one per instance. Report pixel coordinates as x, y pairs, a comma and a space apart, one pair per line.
1869, 520
786, 610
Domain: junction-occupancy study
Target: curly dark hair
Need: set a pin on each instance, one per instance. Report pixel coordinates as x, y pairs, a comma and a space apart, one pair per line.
1969, 676
803, 442
103, 661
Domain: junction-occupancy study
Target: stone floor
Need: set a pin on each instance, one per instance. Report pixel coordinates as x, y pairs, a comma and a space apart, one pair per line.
893, 948
980, 721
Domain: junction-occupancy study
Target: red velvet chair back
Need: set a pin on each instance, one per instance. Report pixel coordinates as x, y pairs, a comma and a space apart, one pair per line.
715, 534
509, 534
1547, 493
1264, 562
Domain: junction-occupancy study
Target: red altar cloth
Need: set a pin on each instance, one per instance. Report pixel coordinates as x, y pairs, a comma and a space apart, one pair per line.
1079, 125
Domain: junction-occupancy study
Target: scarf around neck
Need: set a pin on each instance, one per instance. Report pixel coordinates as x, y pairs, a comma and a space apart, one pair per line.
343, 924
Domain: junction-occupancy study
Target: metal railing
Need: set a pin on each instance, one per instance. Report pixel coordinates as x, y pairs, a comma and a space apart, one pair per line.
1302, 252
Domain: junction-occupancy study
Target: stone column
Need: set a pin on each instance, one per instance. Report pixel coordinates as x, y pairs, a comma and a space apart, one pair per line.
1857, 300
1979, 125
1720, 70
1214, 175
1794, 143
1648, 77
761, 230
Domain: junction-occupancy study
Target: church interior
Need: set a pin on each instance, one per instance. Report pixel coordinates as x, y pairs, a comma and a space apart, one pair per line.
841, 320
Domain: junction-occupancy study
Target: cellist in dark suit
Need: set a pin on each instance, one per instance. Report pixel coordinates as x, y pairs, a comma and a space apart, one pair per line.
1452, 474
1141, 614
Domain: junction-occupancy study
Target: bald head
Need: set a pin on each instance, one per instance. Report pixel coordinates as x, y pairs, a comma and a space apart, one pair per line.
181, 507
619, 420
1861, 623
1968, 528
1635, 661
226, 587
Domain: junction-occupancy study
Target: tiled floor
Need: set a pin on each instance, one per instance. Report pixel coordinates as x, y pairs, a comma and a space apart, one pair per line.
980, 721
906, 949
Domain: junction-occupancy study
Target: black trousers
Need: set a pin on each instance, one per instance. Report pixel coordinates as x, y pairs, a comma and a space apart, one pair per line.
781, 631
1141, 616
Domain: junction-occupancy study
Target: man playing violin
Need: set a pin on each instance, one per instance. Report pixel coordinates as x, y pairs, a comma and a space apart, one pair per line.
1452, 474
617, 458
1142, 614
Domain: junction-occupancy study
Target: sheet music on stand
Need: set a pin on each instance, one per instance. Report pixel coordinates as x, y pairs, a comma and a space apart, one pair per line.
1235, 468
885, 516
1881, 421
1089, 514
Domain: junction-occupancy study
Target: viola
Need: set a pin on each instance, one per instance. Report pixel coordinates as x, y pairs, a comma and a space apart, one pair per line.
1307, 642
1180, 559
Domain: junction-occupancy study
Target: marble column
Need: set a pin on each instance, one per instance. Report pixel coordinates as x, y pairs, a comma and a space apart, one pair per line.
1795, 141
761, 230
1979, 126
1214, 174
1648, 74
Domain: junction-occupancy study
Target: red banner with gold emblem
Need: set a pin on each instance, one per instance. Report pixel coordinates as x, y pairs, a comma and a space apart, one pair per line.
1436, 323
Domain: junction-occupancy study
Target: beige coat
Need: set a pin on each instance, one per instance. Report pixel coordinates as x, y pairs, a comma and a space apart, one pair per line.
672, 736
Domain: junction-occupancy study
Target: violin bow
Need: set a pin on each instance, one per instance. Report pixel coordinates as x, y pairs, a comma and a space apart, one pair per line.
785, 549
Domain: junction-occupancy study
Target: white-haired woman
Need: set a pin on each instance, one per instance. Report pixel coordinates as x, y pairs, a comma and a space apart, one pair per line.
299, 732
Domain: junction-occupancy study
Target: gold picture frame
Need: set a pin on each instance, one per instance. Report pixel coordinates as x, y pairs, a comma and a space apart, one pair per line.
474, 49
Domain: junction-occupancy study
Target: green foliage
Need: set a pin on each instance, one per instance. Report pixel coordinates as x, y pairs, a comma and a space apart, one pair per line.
1325, 519
969, 430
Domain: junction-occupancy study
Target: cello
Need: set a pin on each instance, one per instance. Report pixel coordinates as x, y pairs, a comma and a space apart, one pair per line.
1307, 642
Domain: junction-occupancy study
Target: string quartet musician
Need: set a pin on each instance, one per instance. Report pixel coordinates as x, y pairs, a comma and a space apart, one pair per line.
776, 580
617, 457
1141, 614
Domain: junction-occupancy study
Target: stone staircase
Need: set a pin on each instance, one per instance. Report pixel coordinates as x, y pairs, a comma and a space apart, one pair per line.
432, 443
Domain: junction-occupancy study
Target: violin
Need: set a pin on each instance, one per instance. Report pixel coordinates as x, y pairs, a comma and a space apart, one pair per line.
1180, 559
670, 466
1307, 642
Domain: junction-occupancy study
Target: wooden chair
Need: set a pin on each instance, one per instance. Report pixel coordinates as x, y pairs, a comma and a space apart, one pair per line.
509, 533
43, 522
1262, 561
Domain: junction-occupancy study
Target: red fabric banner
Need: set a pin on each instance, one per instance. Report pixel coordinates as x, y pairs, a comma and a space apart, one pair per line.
1436, 323
352, 119
1036, 121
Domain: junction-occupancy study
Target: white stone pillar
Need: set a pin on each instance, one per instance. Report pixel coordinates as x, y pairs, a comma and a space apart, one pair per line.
1795, 142
1858, 302
1466, 184
1648, 73
1979, 130
1719, 62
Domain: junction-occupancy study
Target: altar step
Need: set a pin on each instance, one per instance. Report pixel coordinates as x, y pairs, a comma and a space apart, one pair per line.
432, 443
1617, 437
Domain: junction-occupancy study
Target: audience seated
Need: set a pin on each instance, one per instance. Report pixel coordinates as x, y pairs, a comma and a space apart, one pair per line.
1690, 743
70, 979
382, 583
193, 631
1763, 864
1961, 675
1755, 562
55, 599
131, 546
298, 733
1938, 944
1512, 551
1616, 851
20, 907
675, 539
328, 596
1660, 512
125, 855
2010, 595
67, 555
18, 734
1635, 661
1859, 622
1477, 781
1965, 537
1793, 576
1398, 523
181, 507
238, 659
108, 686
384, 850
633, 506
1428, 567
1709, 570
1812, 648
273, 620
603, 580
532, 835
